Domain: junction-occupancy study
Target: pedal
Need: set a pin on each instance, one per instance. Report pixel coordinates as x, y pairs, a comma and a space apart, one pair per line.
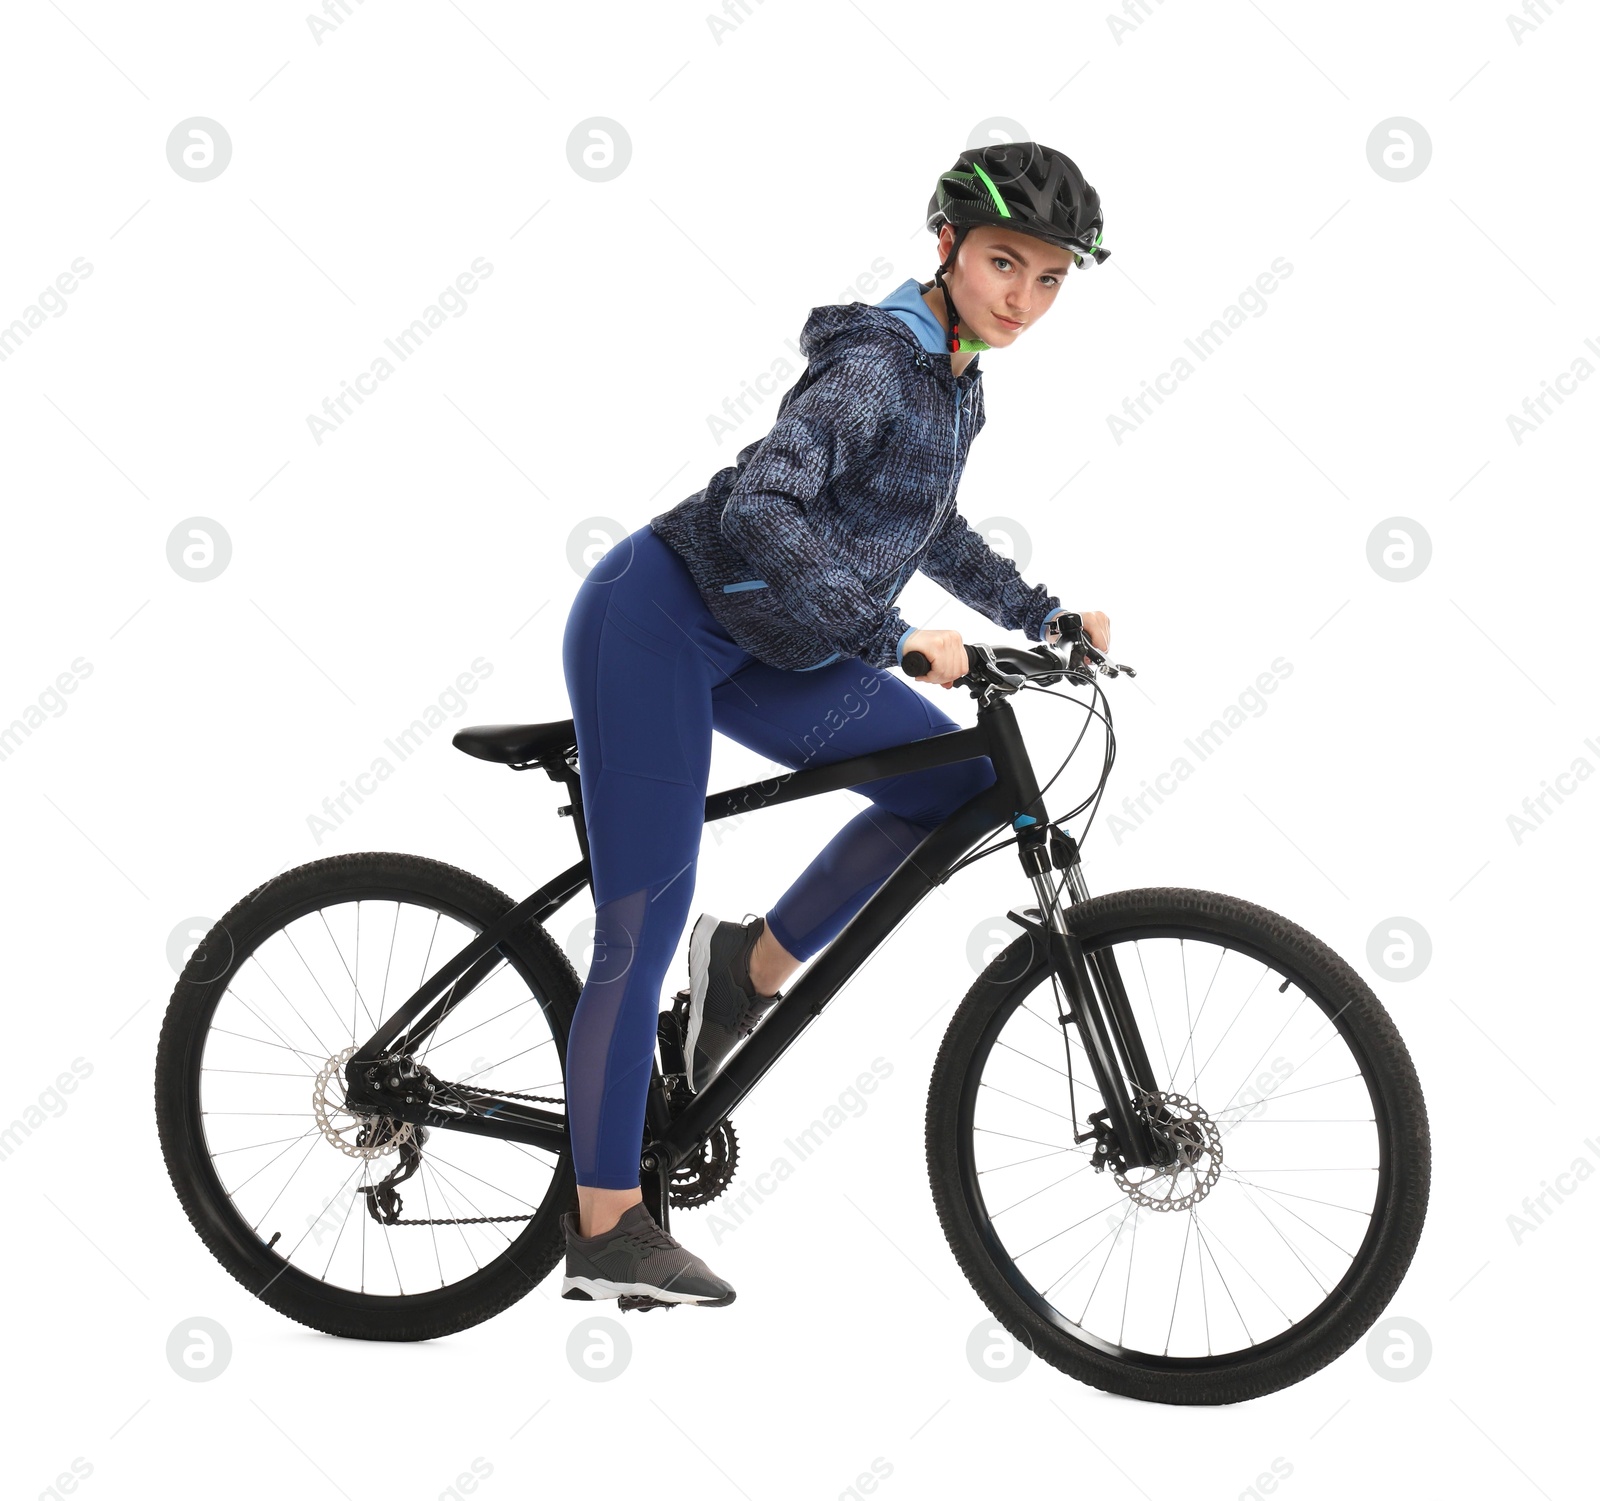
671, 1029
628, 1301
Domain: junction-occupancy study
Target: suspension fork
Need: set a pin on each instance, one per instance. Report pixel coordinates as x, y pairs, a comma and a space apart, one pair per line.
1097, 999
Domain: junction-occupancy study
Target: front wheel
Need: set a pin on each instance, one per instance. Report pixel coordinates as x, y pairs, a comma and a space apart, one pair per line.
1288, 1221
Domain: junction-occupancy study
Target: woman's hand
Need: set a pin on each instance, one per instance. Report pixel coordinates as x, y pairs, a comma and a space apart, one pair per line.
944, 650
1097, 627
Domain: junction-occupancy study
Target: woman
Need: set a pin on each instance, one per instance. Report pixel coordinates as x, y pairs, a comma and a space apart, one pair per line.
764, 607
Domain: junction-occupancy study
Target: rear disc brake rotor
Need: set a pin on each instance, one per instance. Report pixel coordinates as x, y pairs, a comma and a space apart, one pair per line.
365, 1136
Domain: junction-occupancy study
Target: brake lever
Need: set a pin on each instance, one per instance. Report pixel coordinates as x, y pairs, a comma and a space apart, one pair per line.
982, 665
1098, 658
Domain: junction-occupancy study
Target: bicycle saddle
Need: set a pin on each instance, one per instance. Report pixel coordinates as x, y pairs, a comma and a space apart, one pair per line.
518, 744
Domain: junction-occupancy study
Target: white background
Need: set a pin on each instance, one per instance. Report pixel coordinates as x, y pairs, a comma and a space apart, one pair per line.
769, 169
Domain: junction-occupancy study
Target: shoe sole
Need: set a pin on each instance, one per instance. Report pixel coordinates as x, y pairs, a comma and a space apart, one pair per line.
595, 1289
699, 978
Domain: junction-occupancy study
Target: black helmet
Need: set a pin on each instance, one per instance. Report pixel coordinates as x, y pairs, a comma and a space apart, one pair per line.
1033, 189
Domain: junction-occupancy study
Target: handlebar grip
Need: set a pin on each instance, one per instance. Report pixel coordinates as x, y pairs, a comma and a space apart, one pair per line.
916, 664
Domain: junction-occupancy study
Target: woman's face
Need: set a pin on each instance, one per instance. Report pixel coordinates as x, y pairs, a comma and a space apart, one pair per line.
1003, 282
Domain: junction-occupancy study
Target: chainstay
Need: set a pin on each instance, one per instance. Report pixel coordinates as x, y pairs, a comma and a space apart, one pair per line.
480, 1219
483, 1219
504, 1094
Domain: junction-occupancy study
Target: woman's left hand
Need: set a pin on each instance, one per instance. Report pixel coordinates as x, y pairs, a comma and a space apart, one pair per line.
1097, 627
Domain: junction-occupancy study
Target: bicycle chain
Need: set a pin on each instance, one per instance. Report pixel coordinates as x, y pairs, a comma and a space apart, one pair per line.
692, 1184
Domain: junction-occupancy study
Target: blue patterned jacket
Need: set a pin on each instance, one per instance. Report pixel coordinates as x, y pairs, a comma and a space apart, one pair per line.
801, 546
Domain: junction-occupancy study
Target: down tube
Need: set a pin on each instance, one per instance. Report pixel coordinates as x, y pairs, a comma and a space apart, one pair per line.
916, 875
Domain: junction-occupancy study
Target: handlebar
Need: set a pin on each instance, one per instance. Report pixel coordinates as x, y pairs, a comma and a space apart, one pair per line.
1009, 668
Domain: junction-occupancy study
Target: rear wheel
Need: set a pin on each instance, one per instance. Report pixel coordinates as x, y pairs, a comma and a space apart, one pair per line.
282, 1181
1289, 1221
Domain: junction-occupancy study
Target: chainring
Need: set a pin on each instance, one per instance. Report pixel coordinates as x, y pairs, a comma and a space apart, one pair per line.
708, 1173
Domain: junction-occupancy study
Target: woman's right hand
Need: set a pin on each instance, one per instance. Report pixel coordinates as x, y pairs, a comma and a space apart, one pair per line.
944, 650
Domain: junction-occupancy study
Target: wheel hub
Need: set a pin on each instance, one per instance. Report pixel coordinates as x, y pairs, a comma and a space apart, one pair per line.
356, 1135
1184, 1182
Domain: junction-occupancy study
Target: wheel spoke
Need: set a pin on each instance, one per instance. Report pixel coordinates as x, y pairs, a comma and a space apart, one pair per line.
1344, 1251
1113, 1235
388, 964
1236, 1015
255, 959
268, 1163
996, 1213
1284, 1193
456, 1167
474, 1027
1000, 1167
1154, 1015
354, 986
1033, 1104
1183, 1257
1060, 1073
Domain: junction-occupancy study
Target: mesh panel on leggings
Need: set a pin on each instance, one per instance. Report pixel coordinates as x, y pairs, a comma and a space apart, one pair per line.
835, 886
612, 1045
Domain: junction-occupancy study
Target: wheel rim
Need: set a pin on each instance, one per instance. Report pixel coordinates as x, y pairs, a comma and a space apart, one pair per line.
291, 1165
1088, 1256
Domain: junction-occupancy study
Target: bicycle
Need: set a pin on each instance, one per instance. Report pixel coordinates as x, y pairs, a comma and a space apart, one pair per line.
1047, 1216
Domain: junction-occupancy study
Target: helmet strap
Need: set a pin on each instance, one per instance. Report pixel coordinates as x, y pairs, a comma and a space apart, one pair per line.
953, 340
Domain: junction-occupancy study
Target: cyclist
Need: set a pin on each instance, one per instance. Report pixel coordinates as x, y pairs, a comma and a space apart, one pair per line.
764, 607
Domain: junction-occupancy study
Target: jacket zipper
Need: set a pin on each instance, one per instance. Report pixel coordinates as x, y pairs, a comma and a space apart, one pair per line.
955, 453
949, 490
939, 518
941, 512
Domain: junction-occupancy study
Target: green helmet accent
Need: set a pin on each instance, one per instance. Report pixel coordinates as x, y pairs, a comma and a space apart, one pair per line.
994, 192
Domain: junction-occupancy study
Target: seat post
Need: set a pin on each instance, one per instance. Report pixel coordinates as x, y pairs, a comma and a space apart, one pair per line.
574, 809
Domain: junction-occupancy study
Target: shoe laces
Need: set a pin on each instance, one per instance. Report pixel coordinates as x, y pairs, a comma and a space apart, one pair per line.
752, 1010
754, 1006
650, 1233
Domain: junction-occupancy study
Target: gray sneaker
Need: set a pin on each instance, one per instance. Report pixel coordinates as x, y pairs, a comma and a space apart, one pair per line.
723, 1006
639, 1264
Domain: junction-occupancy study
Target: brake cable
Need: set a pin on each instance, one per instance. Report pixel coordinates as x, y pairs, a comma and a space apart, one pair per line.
991, 847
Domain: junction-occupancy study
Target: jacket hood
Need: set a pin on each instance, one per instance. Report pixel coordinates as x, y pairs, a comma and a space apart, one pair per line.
850, 321
837, 326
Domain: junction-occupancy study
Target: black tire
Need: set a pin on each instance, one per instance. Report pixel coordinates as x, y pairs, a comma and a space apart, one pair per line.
536, 960
1400, 1129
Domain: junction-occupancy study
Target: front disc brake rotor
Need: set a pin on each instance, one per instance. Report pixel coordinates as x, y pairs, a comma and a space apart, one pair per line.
1184, 1183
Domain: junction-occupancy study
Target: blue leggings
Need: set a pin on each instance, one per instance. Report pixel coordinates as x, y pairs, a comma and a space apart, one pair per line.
650, 674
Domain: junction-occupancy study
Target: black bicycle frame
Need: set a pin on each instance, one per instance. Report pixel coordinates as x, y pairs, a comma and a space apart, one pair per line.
1100, 1010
